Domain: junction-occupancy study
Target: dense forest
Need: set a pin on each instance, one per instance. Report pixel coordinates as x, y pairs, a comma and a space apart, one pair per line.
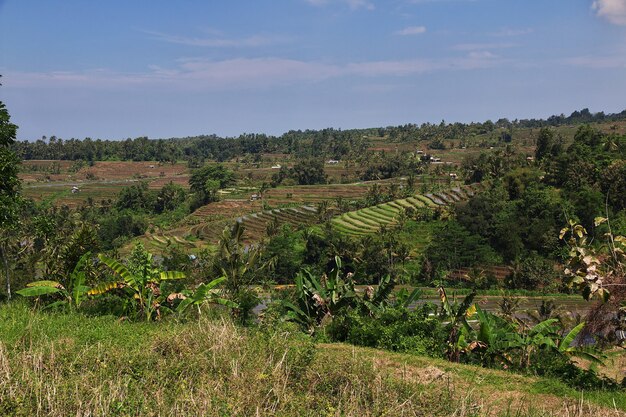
326, 143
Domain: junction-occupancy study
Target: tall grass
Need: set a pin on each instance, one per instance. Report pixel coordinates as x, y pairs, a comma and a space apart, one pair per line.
75, 365
69, 364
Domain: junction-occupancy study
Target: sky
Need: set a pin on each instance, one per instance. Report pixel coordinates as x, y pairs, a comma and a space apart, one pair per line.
116, 69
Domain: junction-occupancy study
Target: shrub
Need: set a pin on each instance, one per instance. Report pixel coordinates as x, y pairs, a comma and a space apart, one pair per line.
551, 364
396, 328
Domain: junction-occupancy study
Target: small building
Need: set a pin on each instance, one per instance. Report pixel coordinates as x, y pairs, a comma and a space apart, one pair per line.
530, 158
75, 190
435, 159
419, 152
151, 166
453, 176
332, 162
277, 166
255, 197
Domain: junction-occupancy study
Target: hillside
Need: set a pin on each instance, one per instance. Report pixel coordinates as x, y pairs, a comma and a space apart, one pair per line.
69, 364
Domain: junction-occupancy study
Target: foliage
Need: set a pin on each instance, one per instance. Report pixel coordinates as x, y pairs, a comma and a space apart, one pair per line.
204, 293
396, 328
136, 197
206, 181
72, 295
453, 247
170, 197
9, 194
588, 270
141, 281
309, 172
286, 249
533, 272
547, 144
456, 315
58, 239
318, 300
116, 228
517, 227
512, 344
240, 265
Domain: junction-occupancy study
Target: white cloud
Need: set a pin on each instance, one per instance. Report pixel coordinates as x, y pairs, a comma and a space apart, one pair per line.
411, 30
352, 4
242, 73
357, 4
439, 1
215, 41
508, 32
481, 55
612, 10
482, 46
597, 62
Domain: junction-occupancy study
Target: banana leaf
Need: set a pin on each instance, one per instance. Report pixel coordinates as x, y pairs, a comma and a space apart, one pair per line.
37, 291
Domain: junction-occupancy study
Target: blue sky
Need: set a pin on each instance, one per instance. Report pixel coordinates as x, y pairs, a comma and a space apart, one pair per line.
116, 69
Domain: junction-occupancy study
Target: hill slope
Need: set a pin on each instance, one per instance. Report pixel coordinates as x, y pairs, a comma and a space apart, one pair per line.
70, 364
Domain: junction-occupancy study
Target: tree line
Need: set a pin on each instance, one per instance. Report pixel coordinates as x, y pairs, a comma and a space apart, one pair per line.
324, 143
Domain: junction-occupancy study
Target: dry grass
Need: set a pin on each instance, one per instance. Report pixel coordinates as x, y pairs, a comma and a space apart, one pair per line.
62, 365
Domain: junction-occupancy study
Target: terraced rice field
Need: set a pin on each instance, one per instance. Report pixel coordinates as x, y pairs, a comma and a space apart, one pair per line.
159, 242
312, 194
210, 230
256, 224
102, 181
371, 219
226, 209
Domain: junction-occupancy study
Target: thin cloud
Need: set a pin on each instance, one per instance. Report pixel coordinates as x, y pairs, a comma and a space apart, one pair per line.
597, 62
612, 10
244, 73
352, 4
441, 1
508, 32
482, 46
481, 55
411, 30
215, 41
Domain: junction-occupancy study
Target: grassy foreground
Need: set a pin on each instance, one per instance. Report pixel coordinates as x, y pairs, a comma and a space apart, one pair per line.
70, 364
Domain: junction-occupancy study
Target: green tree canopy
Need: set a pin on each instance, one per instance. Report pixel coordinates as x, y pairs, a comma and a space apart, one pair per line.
9, 190
205, 182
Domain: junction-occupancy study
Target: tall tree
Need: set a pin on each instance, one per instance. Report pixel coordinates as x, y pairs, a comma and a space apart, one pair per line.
9, 191
205, 183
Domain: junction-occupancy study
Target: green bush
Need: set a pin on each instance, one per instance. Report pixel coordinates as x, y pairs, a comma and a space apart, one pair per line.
550, 364
395, 328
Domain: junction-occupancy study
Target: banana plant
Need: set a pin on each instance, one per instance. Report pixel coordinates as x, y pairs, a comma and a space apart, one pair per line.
143, 286
543, 335
72, 295
404, 298
495, 339
565, 347
376, 300
456, 315
319, 299
205, 293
